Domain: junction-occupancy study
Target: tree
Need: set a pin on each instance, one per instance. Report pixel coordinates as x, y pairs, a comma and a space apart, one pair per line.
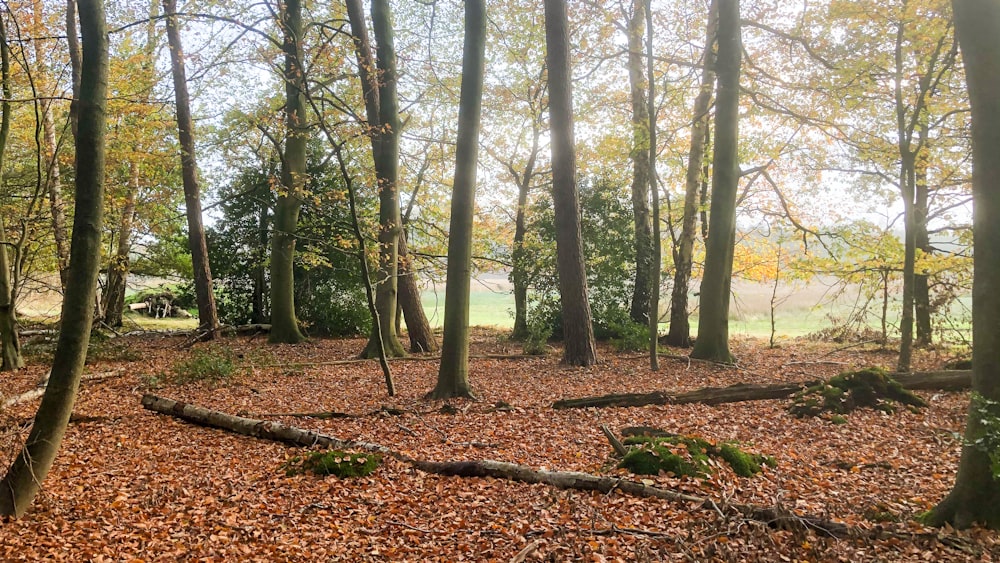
679, 333
208, 317
10, 346
713, 321
385, 148
453, 374
579, 346
646, 272
975, 497
284, 324
32, 464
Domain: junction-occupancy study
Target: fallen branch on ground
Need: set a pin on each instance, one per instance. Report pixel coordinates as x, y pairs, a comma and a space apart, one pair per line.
774, 516
40, 390
956, 380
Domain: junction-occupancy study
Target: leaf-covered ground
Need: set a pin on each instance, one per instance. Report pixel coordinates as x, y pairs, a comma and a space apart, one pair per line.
132, 485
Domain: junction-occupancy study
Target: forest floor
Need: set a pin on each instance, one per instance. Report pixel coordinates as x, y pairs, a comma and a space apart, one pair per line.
133, 485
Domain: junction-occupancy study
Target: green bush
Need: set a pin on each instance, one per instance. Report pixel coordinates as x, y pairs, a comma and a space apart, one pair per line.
630, 337
212, 364
536, 343
334, 462
987, 440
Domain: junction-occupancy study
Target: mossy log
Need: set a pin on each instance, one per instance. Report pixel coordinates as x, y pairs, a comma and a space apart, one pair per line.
955, 380
775, 517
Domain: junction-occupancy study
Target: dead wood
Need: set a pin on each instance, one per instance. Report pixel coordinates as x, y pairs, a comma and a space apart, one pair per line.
773, 516
954, 380
40, 390
617, 444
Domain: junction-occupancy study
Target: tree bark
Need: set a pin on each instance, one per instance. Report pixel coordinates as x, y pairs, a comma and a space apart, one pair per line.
936, 380
921, 280
679, 333
975, 497
453, 374
386, 137
10, 344
713, 320
50, 157
113, 297
284, 324
208, 316
30, 467
640, 155
519, 269
418, 328
578, 331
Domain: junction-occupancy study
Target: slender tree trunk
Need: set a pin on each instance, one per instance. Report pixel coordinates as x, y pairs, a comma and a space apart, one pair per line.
113, 298
519, 274
976, 495
644, 268
653, 308
284, 324
32, 464
907, 182
49, 157
208, 316
713, 321
75, 60
679, 333
453, 374
259, 307
10, 345
418, 328
578, 330
921, 281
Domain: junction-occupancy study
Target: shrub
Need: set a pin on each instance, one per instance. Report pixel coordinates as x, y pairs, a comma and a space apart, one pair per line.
213, 364
630, 337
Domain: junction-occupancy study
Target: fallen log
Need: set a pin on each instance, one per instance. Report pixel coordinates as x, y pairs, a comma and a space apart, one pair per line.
774, 516
953, 380
40, 390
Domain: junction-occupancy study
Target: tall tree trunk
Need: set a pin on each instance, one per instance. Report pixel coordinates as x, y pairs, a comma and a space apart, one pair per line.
75, 61
976, 495
10, 345
30, 467
259, 306
113, 298
578, 330
921, 281
679, 333
907, 186
50, 157
644, 268
713, 321
418, 328
653, 318
453, 374
208, 316
519, 273
382, 107
284, 324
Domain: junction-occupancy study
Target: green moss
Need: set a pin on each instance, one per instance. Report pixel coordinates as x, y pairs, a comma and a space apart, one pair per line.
867, 388
334, 462
687, 456
837, 419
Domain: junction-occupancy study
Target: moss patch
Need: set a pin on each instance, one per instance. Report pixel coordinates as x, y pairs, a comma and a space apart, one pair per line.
866, 388
334, 462
687, 456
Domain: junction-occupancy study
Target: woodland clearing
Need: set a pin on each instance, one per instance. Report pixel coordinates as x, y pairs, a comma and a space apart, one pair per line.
133, 485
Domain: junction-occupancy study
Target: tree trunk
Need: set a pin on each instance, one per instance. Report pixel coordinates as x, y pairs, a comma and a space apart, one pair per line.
113, 298
419, 330
75, 61
679, 333
976, 495
453, 375
934, 380
284, 324
30, 467
519, 269
653, 308
641, 147
921, 281
386, 137
49, 157
578, 331
713, 320
10, 345
208, 316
